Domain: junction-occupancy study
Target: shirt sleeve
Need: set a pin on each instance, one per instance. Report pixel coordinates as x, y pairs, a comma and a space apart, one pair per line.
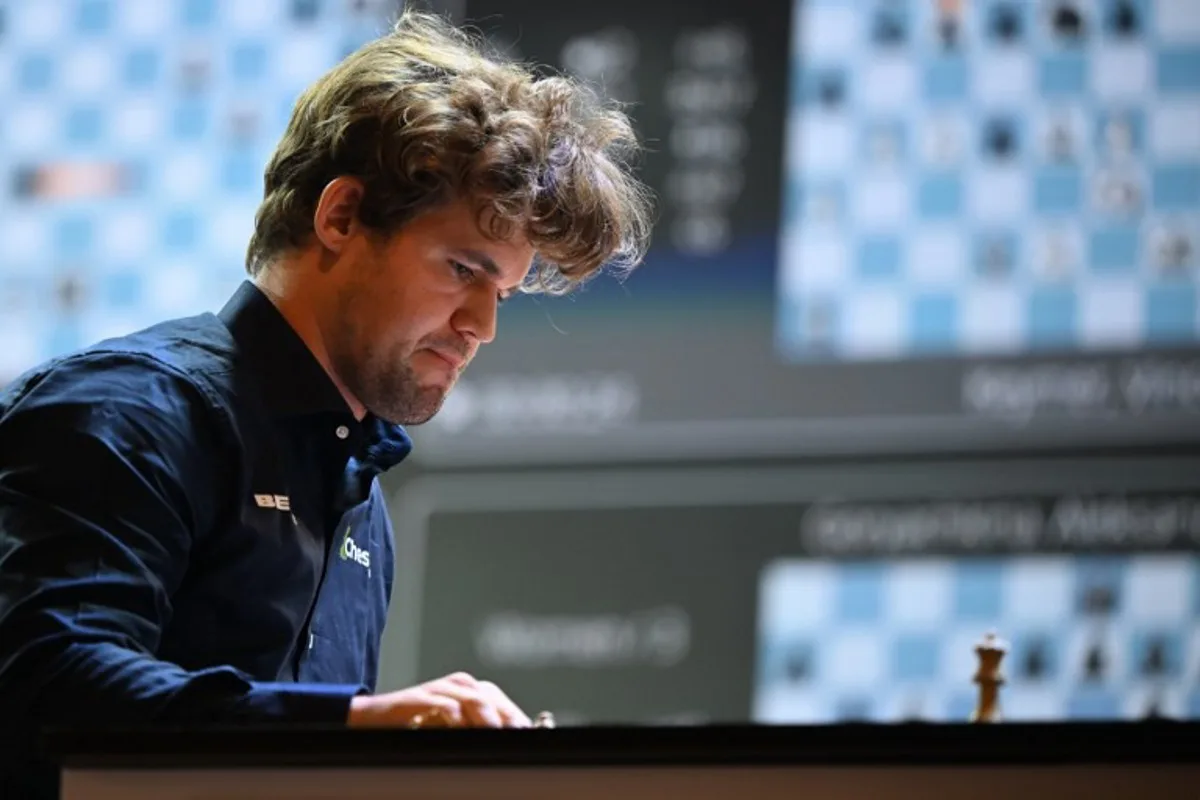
109, 470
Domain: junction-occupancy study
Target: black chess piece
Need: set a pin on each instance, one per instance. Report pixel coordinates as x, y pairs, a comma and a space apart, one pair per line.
798, 667
888, 29
1000, 140
305, 10
1034, 664
1154, 663
1005, 24
1124, 20
1099, 599
831, 90
1095, 663
1174, 252
1067, 21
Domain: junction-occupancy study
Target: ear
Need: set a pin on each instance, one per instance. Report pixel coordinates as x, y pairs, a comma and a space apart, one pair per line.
337, 212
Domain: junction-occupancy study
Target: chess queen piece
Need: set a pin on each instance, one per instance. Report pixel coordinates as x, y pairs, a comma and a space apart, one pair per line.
989, 678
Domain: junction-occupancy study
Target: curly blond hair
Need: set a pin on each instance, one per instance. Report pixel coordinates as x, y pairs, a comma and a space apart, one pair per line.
424, 116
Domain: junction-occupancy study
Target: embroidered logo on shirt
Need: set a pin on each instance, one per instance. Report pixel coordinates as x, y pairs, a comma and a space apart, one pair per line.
350, 551
279, 502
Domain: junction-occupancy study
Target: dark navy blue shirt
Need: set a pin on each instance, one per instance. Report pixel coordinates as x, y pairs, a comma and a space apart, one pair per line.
191, 531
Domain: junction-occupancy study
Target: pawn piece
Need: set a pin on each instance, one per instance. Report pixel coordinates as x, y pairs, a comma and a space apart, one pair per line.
989, 678
544, 719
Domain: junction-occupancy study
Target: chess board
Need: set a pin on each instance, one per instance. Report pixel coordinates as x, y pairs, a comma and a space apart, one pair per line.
991, 178
134, 139
1089, 637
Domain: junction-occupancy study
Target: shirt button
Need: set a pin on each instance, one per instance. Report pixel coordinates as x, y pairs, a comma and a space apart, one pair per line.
342, 431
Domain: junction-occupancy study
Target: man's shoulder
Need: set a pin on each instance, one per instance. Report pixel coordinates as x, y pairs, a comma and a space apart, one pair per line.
178, 359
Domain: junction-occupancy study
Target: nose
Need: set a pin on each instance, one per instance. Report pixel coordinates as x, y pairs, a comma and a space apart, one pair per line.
476, 318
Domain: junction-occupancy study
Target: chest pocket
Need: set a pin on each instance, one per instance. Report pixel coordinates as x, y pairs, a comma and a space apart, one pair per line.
348, 618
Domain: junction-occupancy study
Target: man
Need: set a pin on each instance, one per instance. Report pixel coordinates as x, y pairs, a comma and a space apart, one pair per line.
191, 525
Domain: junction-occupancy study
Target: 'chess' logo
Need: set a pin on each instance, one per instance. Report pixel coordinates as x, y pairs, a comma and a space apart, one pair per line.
350, 551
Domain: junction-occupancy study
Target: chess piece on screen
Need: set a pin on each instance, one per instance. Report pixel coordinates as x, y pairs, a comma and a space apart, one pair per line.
989, 678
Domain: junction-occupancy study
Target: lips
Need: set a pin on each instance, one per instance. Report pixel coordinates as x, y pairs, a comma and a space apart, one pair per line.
454, 360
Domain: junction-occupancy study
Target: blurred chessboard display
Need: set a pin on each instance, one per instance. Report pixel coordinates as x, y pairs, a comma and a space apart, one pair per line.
134, 138
991, 178
1090, 637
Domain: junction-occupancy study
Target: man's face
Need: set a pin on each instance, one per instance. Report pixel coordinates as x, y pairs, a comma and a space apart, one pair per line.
411, 310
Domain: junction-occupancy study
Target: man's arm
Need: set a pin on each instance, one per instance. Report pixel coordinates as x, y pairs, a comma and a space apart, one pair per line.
110, 468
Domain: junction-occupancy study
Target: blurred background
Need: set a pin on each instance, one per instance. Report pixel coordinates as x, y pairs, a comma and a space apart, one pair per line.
913, 357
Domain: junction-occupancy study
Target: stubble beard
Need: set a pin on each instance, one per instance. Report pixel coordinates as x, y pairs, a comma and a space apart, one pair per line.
381, 378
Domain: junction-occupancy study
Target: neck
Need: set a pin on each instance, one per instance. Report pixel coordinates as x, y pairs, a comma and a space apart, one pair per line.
297, 300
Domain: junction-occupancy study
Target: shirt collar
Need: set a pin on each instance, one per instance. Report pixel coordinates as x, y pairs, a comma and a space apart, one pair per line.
291, 379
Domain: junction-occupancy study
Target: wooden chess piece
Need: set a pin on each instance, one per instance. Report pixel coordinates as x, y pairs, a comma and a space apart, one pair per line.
989, 679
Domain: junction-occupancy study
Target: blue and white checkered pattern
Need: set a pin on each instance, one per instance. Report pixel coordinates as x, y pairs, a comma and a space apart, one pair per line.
904, 237
151, 122
890, 641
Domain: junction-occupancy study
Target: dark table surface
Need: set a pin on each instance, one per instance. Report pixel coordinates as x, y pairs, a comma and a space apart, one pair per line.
1086, 743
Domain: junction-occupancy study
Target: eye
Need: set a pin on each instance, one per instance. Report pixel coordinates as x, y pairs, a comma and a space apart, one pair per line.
462, 271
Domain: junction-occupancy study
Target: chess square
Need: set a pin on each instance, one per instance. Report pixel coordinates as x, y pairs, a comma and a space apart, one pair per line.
998, 195
127, 234
23, 343
1177, 21
185, 177
88, 70
796, 597
146, 19
938, 256
855, 660
882, 202
934, 321
993, 319
859, 592
1159, 589
138, 122
784, 705
827, 32
1171, 313
917, 594
888, 83
939, 195
1038, 589
826, 145
1003, 78
873, 323
44, 23
1121, 72
26, 234
1173, 129
261, 16
1111, 312
1052, 319
1114, 249
1176, 186
1178, 69
814, 263
32, 128
1032, 704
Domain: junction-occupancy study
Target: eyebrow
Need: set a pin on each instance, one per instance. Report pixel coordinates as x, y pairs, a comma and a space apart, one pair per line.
481, 260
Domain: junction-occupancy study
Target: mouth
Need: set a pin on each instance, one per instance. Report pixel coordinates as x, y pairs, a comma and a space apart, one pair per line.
456, 362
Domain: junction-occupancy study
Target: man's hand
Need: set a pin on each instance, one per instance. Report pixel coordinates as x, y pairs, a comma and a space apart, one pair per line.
456, 701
